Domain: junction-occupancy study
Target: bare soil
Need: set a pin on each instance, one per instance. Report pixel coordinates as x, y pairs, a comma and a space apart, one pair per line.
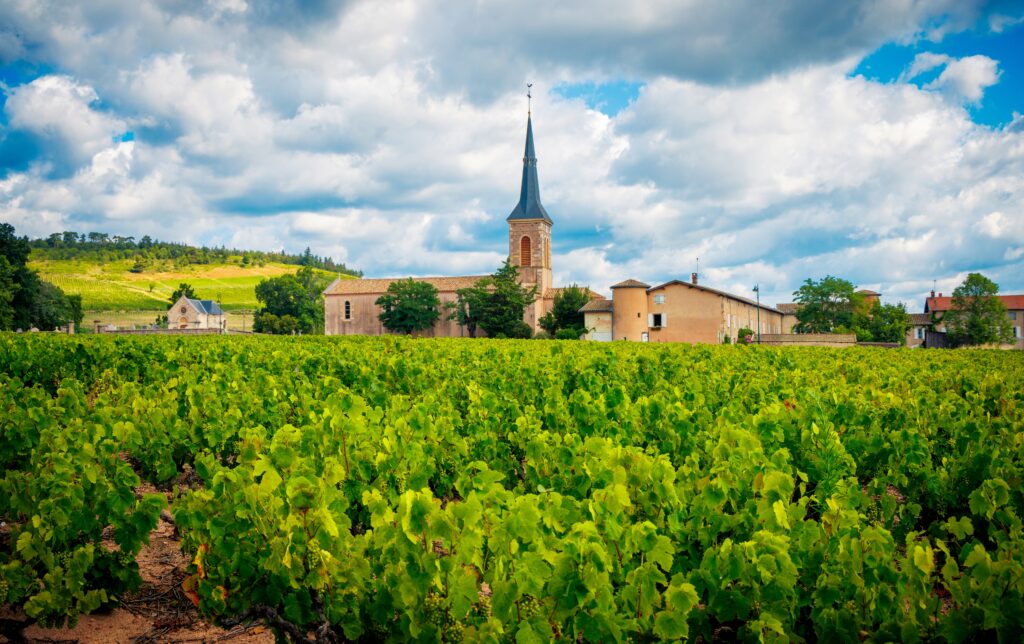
157, 612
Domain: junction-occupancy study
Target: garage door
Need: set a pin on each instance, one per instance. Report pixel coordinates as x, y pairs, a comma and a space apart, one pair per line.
601, 336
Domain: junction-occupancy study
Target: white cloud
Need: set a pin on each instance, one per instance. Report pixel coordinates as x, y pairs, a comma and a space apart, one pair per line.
966, 78
60, 109
389, 135
923, 62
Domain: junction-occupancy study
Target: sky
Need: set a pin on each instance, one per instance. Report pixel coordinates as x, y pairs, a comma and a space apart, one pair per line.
878, 141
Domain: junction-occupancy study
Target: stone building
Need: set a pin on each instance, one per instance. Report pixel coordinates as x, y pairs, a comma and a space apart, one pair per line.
188, 313
676, 311
350, 305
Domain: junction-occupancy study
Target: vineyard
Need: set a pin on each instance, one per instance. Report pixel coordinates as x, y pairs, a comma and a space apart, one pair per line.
446, 490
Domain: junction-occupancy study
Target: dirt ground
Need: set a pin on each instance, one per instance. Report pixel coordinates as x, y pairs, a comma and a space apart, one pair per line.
157, 612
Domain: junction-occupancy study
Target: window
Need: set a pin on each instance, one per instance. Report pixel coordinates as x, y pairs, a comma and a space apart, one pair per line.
656, 320
348, 310
184, 310
525, 252
659, 299
919, 333
1013, 315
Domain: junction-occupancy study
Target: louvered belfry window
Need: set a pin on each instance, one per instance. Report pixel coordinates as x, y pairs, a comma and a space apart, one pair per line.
525, 252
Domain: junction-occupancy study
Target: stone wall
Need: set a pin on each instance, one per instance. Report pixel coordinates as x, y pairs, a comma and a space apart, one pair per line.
809, 339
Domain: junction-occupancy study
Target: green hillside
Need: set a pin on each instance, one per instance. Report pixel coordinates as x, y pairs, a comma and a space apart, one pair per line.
111, 286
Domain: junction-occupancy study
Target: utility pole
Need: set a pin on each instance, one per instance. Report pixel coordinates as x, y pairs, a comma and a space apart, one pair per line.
757, 289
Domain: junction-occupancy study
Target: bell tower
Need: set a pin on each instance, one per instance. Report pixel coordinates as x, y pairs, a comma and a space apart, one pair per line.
529, 226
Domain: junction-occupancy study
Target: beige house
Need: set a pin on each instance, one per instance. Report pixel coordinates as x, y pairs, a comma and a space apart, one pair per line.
789, 320
676, 311
919, 323
597, 314
350, 305
188, 313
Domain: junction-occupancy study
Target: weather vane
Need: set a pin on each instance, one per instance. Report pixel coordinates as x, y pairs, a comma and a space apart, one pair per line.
529, 98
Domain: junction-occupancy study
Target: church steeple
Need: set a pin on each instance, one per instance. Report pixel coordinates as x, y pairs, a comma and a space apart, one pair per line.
529, 206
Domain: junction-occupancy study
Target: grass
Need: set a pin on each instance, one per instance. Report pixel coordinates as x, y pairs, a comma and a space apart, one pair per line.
111, 286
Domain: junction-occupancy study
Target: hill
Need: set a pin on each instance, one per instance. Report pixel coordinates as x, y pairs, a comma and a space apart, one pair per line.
123, 281
113, 286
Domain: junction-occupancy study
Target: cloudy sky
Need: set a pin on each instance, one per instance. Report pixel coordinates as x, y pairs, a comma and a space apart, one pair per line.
881, 141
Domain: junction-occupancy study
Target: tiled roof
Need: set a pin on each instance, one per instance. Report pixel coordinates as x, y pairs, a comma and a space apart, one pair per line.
920, 319
551, 292
368, 286
716, 291
789, 308
631, 283
594, 306
1012, 302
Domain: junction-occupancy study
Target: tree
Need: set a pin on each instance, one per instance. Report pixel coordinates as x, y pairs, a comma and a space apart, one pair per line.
826, 305
278, 325
409, 306
469, 305
297, 296
50, 308
506, 301
978, 315
183, 289
882, 323
26, 300
745, 335
75, 312
494, 304
8, 288
565, 311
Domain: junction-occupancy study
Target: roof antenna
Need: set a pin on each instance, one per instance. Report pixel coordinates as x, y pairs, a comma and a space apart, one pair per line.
529, 99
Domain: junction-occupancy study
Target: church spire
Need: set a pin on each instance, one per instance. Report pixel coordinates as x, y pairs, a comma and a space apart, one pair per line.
529, 206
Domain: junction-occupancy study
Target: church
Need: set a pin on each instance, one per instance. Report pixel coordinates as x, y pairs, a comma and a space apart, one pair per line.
350, 304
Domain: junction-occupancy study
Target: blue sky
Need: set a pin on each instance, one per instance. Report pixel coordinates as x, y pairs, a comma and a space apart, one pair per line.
881, 142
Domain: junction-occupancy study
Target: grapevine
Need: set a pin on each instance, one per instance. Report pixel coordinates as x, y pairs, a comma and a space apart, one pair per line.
450, 490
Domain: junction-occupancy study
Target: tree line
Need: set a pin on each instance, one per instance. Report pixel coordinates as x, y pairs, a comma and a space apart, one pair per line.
832, 305
494, 305
26, 301
96, 246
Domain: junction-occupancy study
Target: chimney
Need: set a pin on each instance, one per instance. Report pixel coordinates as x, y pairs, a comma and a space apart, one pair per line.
693, 278
933, 292
940, 294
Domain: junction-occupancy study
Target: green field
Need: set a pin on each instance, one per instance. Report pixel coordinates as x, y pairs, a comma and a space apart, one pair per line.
110, 286
396, 489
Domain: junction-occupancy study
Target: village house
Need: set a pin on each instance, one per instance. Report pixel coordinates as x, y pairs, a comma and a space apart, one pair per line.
918, 329
350, 305
676, 311
188, 313
938, 305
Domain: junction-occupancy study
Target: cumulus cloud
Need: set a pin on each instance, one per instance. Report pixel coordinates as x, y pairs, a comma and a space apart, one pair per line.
60, 110
962, 79
967, 78
389, 135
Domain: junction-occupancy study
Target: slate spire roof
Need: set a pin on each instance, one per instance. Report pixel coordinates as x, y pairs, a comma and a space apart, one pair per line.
529, 206
207, 306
